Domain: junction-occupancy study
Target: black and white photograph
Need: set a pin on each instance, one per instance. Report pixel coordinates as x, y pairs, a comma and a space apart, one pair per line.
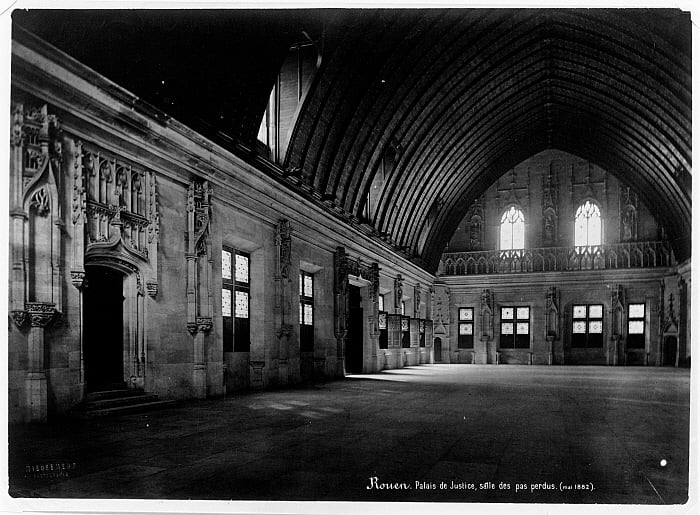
299, 259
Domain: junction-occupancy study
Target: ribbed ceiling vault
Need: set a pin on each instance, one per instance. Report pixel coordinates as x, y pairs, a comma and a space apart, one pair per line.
464, 95
468, 95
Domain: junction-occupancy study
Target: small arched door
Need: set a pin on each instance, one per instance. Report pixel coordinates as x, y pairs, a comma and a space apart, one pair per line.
437, 346
103, 337
670, 351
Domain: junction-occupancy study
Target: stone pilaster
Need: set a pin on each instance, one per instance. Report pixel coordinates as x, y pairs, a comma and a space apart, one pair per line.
40, 315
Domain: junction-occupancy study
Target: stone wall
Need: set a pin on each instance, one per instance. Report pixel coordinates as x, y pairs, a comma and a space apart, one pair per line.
200, 197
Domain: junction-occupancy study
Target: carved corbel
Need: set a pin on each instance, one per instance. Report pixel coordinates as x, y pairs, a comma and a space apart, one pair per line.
77, 278
204, 324
40, 313
284, 330
152, 289
19, 317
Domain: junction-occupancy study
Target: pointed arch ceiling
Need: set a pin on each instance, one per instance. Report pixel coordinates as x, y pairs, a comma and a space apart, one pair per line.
462, 95
468, 95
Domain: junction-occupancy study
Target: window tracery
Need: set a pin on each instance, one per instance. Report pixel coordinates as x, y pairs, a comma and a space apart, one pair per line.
512, 229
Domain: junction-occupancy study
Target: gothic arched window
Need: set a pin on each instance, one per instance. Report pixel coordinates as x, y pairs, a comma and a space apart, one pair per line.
512, 229
588, 228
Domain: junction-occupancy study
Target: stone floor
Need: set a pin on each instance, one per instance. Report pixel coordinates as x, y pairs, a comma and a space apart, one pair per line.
466, 433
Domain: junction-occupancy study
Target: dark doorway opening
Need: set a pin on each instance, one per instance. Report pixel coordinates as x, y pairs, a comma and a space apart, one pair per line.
670, 351
437, 345
103, 316
355, 338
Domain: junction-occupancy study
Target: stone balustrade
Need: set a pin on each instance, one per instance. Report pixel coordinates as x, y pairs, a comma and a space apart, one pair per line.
550, 259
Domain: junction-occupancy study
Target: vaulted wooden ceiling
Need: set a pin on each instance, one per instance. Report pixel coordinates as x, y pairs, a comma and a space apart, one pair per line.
462, 95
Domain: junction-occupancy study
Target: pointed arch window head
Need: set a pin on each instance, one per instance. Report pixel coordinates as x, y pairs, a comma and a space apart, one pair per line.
588, 228
512, 229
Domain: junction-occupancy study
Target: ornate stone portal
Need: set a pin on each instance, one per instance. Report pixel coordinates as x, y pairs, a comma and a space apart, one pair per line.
116, 224
345, 266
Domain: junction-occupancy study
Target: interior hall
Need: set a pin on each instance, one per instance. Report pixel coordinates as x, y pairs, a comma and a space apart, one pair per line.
272, 254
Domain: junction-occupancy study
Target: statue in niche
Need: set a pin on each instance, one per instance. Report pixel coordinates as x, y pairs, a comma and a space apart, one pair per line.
475, 232
628, 214
549, 228
629, 223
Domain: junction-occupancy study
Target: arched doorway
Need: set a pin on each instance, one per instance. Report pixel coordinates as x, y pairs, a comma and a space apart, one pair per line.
670, 351
103, 336
355, 336
437, 344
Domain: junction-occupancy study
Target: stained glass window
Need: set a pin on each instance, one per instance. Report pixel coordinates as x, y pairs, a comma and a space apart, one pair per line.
579, 327
595, 327
308, 285
588, 225
587, 326
466, 329
515, 334
636, 327
512, 229
421, 326
226, 302
404, 324
636, 310
308, 314
382, 321
241, 304
465, 337
466, 313
595, 311
242, 271
227, 288
380, 299
306, 311
225, 264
